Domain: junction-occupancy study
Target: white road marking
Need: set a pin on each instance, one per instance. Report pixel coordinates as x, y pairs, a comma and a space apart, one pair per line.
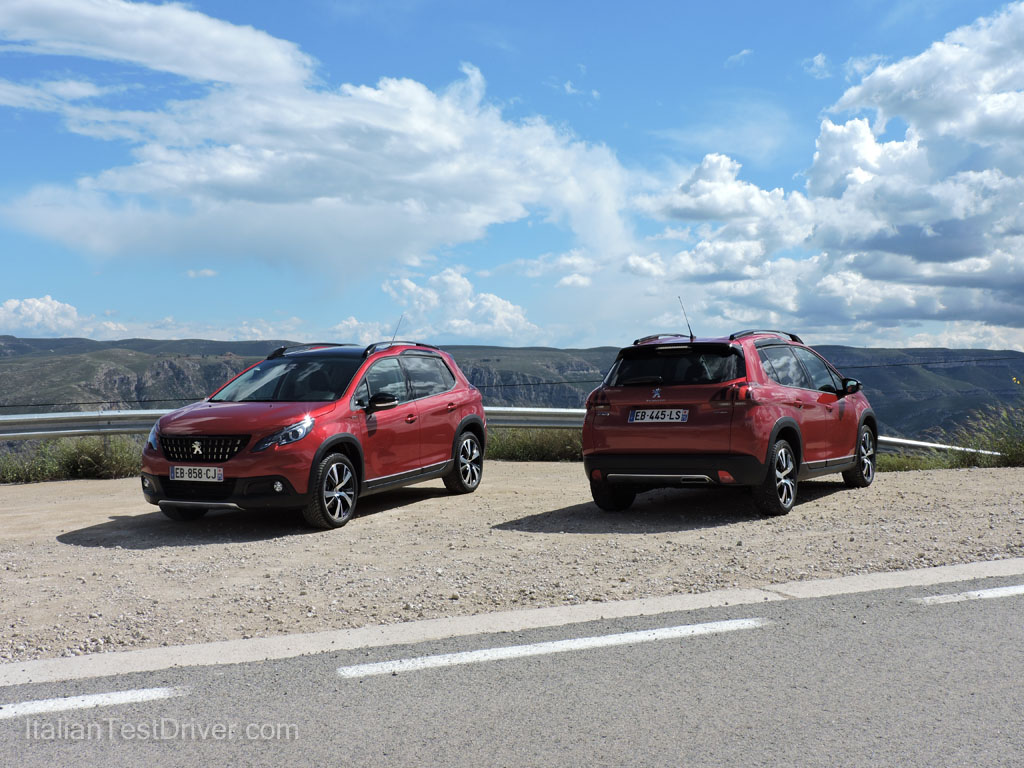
979, 594
538, 649
40, 706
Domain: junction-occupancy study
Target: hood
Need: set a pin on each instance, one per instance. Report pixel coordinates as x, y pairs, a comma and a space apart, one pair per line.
208, 418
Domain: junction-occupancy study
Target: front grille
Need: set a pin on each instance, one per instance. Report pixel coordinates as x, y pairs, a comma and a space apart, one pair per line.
202, 448
185, 490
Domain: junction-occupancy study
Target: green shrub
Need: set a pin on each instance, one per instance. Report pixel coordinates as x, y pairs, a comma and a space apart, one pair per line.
994, 429
515, 444
73, 459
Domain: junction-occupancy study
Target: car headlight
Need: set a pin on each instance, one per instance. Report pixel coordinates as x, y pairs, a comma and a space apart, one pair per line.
153, 441
287, 435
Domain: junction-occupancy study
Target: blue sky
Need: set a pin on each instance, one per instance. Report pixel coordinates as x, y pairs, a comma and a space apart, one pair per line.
521, 173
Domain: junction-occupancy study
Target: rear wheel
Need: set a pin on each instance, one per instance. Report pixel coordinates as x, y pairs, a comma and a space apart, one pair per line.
611, 498
863, 474
183, 514
777, 494
333, 493
469, 465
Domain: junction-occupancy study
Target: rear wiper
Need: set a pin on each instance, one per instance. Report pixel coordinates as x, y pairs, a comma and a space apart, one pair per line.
641, 380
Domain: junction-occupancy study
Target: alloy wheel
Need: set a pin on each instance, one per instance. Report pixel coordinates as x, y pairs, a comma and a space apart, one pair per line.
866, 455
470, 462
785, 479
339, 491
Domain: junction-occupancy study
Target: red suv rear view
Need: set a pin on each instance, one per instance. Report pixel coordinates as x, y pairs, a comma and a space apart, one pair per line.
758, 409
316, 427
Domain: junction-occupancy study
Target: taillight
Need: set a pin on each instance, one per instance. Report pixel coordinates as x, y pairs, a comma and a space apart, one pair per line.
597, 400
744, 392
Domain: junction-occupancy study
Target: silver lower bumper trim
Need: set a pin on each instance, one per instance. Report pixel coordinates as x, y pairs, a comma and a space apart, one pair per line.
200, 504
681, 479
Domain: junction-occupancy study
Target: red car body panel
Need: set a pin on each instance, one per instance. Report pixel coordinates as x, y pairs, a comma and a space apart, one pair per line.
388, 447
731, 424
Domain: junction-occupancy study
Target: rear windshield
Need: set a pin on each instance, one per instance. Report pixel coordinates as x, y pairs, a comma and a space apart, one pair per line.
639, 366
290, 380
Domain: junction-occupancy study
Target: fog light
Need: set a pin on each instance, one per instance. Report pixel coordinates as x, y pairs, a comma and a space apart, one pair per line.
596, 474
278, 486
725, 477
147, 485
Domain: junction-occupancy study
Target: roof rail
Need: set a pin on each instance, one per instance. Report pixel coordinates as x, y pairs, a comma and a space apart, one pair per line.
377, 346
281, 350
752, 332
654, 336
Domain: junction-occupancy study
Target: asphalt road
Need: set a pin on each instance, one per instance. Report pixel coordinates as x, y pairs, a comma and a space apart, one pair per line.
865, 679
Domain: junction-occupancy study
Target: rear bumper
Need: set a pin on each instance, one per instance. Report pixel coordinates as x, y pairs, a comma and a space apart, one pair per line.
665, 470
233, 493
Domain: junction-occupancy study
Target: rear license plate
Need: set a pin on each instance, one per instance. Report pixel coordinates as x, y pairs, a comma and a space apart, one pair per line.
654, 415
198, 474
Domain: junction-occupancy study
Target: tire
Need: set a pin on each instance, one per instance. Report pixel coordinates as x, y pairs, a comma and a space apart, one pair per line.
777, 494
183, 514
468, 471
333, 493
863, 474
611, 498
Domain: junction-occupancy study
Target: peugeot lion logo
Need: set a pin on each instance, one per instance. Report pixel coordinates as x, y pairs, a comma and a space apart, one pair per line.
656, 394
197, 448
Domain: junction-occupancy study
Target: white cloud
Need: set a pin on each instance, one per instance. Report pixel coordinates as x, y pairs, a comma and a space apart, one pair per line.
737, 59
575, 280
155, 37
38, 315
269, 164
857, 67
892, 235
194, 273
447, 303
817, 66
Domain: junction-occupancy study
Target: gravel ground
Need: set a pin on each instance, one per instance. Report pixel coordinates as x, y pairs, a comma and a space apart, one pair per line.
88, 566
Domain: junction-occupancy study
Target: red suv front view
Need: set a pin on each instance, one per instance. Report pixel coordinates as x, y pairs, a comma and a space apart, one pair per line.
758, 409
316, 427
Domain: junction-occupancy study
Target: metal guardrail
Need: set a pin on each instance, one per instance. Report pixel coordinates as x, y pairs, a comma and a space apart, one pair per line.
40, 426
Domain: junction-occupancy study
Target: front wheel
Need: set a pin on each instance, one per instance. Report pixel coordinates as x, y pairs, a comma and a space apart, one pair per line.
333, 493
862, 475
777, 494
469, 465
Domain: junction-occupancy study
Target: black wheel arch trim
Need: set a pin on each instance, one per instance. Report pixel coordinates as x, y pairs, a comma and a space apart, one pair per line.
787, 422
473, 420
329, 446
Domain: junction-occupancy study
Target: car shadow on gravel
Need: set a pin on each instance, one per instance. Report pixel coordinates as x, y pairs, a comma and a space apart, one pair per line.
662, 511
153, 529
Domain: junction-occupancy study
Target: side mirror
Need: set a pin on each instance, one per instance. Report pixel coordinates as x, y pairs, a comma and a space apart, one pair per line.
851, 386
382, 401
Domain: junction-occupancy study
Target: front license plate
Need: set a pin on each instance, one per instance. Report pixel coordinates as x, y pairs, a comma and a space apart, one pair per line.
654, 415
200, 474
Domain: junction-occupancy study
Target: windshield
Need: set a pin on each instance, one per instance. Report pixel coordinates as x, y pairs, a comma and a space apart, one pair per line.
676, 365
290, 380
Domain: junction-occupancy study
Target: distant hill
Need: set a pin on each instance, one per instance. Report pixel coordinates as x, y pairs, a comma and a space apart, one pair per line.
916, 392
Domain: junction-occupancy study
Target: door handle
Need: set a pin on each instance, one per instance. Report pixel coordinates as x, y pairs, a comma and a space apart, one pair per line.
796, 404
452, 406
410, 418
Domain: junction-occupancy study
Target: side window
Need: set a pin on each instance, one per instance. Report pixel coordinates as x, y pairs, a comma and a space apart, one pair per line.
821, 376
386, 376
428, 375
783, 367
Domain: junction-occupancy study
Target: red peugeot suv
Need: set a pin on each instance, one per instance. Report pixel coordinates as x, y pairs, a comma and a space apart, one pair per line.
758, 409
316, 427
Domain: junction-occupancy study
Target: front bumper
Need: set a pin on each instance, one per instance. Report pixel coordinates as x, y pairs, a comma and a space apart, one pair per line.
668, 470
233, 493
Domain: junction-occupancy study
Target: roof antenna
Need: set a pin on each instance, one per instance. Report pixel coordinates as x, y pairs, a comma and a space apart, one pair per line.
692, 337
397, 327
